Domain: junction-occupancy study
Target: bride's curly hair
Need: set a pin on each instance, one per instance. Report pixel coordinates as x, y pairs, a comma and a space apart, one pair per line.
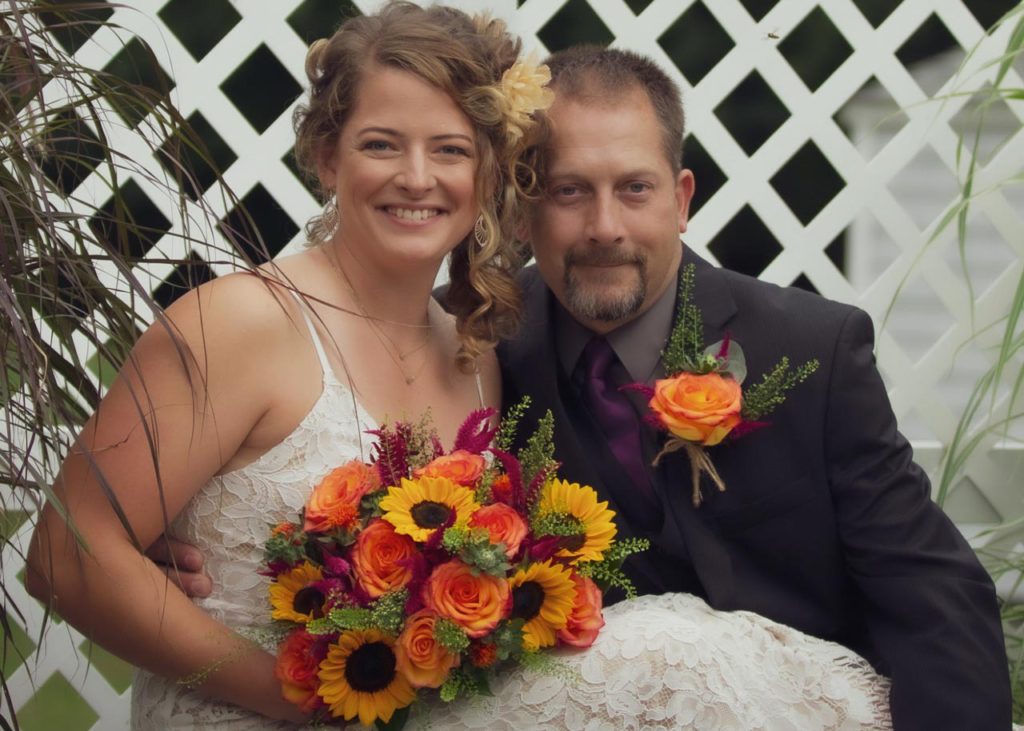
465, 56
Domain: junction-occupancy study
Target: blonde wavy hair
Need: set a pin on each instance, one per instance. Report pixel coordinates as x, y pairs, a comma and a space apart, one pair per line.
465, 56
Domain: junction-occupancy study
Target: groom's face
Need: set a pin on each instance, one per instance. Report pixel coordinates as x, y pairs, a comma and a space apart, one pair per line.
605, 234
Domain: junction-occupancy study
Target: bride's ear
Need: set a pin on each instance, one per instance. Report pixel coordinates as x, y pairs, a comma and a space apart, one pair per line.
326, 169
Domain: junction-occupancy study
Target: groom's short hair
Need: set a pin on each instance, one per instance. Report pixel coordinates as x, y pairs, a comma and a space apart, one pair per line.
597, 75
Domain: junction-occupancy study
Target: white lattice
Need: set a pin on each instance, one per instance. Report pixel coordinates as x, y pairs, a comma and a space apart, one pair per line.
886, 163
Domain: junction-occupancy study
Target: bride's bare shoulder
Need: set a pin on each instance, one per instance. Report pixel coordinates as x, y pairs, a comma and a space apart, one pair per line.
252, 316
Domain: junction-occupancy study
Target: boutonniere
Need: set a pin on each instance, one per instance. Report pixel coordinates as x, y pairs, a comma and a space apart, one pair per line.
702, 401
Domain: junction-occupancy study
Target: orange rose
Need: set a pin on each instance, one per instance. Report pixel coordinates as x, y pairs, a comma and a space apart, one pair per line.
503, 523
335, 501
585, 620
475, 603
698, 408
461, 467
419, 657
377, 556
296, 669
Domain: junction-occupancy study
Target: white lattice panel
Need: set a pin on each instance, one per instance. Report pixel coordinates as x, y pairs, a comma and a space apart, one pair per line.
898, 175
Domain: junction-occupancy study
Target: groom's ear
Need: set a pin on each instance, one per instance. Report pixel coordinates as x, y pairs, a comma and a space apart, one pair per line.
685, 186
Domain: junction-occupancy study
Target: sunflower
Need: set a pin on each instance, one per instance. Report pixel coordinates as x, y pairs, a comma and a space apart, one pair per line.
543, 595
359, 677
579, 503
293, 595
419, 506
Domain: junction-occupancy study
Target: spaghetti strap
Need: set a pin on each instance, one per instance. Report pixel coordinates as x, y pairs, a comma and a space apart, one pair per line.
325, 366
480, 389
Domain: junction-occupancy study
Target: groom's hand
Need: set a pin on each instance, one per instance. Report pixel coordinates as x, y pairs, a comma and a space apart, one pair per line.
183, 564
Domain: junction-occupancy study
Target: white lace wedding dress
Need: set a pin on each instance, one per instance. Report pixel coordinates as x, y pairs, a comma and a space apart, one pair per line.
661, 662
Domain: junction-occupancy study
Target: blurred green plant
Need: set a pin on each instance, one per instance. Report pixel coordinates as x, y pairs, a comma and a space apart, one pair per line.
72, 297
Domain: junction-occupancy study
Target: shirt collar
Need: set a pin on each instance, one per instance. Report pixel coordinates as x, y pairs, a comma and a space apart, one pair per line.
638, 343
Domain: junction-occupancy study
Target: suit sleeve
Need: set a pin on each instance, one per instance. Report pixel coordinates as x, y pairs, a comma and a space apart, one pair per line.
929, 606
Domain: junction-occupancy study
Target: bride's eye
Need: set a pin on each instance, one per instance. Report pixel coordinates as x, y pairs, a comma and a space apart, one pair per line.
454, 150
376, 145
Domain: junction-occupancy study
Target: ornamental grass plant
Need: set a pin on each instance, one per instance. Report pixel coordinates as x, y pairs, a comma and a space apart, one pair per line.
992, 416
78, 266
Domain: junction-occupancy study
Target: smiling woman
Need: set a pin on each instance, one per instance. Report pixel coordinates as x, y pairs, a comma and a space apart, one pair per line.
416, 138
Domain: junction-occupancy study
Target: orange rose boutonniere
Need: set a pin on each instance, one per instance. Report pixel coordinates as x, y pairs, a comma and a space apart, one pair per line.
702, 401
701, 408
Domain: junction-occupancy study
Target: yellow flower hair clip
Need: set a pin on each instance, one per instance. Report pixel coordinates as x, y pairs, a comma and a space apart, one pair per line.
523, 88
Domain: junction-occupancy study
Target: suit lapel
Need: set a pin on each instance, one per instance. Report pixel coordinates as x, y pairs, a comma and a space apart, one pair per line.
712, 296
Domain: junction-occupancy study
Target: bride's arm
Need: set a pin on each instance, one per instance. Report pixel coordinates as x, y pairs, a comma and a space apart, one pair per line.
193, 419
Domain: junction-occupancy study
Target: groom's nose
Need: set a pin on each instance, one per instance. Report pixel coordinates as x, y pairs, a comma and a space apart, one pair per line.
604, 222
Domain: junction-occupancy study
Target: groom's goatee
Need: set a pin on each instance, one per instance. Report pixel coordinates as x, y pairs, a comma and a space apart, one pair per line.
596, 301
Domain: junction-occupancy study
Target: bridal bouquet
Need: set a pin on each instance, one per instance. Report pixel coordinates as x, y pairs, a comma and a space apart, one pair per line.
427, 569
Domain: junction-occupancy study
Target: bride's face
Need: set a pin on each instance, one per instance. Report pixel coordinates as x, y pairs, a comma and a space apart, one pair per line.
404, 171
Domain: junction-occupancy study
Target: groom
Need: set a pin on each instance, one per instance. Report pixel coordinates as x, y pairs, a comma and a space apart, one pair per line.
826, 523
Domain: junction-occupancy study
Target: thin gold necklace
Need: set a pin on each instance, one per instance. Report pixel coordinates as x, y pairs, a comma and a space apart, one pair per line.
387, 343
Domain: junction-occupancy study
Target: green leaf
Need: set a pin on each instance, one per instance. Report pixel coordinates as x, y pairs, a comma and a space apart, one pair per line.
398, 720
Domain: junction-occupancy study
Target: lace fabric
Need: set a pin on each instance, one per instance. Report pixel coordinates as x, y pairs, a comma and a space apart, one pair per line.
671, 662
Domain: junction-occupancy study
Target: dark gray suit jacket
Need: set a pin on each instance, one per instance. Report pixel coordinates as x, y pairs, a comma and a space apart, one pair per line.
827, 523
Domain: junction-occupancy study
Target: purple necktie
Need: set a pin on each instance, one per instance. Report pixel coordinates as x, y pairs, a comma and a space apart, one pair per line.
619, 422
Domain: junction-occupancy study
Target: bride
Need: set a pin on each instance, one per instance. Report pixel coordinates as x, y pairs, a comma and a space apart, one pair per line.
253, 387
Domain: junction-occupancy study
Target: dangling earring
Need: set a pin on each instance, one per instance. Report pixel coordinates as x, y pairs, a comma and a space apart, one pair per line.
330, 216
480, 232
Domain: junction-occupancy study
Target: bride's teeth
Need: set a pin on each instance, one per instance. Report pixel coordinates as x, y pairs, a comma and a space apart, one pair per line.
419, 214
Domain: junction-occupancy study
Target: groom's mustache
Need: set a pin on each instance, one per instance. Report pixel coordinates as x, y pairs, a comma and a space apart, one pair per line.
604, 258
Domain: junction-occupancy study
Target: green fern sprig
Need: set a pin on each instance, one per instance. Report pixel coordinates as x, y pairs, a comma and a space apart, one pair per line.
764, 397
607, 572
387, 615
464, 681
685, 346
510, 424
539, 453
